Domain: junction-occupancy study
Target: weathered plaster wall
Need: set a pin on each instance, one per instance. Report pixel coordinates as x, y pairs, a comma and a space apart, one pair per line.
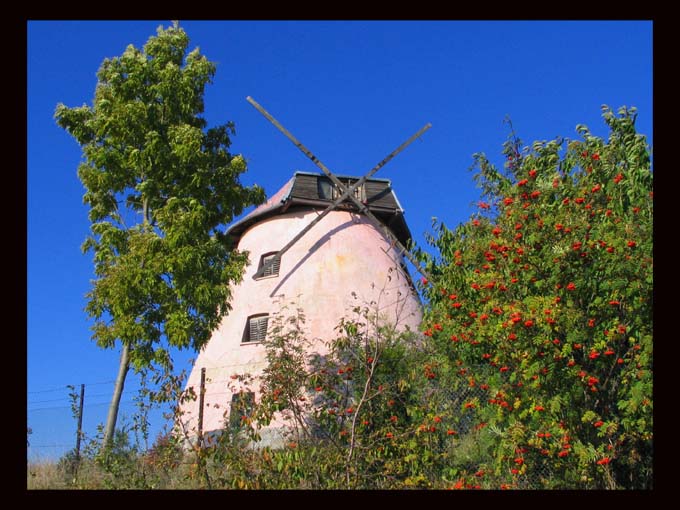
342, 254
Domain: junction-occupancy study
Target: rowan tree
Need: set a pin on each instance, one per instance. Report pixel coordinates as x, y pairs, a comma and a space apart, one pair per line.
544, 298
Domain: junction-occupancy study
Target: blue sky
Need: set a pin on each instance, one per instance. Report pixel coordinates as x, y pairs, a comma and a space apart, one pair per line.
351, 91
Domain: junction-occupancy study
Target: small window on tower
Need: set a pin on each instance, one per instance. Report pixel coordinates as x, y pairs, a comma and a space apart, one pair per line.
324, 188
270, 263
256, 328
358, 192
242, 404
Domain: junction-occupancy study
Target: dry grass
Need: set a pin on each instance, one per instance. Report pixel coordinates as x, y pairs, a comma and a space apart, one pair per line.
49, 474
52, 475
44, 474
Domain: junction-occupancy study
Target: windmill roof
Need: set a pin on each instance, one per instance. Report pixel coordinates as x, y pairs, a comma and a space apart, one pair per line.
304, 190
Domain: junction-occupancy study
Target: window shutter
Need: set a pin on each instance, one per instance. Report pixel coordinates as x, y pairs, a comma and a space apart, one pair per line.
358, 192
257, 328
267, 270
262, 328
252, 336
273, 269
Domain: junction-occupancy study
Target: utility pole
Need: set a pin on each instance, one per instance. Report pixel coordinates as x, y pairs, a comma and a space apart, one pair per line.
79, 432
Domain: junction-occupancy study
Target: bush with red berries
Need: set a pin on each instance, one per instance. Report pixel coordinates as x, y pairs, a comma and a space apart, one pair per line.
545, 298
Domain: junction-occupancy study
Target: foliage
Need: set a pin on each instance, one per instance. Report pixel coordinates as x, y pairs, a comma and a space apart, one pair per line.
549, 289
534, 370
285, 378
159, 187
356, 400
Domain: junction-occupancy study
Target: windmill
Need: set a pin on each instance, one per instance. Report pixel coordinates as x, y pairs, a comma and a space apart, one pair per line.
356, 250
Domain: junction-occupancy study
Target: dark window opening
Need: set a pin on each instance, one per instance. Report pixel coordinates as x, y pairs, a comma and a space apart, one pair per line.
324, 187
242, 404
256, 328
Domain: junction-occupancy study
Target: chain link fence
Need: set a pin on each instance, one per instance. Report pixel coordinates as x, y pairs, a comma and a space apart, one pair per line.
52, 419
452, 401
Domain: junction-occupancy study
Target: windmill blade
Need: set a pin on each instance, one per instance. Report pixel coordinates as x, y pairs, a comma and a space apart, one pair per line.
379, 224
396, 151
341, 187
302, 232
316, 160
290, 136
349, 192
364, 210
402, 249
297, 143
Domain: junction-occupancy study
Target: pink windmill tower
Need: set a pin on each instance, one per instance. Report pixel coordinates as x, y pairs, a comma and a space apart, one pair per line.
321, 242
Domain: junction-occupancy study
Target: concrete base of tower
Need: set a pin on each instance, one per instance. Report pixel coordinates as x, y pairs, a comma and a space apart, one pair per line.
270, 437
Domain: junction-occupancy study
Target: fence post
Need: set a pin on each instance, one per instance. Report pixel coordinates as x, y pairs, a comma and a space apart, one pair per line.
201, 458
79, 433
201, 396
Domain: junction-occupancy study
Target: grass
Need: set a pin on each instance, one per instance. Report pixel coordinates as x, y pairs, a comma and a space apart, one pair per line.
130, 472
54, 475
44, 474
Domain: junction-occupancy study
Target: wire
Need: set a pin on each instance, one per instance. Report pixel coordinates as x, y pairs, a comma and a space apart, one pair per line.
98, 404
98, 383
47, 408
67, 385
50, 400
48, 391
126, 392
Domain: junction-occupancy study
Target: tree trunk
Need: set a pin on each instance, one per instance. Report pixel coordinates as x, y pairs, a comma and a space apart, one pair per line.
124, 362
115, 400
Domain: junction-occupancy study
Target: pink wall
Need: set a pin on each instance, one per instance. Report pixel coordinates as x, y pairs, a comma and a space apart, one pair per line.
340, 255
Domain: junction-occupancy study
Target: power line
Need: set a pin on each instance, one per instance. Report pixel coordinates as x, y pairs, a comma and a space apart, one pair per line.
50, 400
47, 408
98, 404
49, 391
61, 388
126, 392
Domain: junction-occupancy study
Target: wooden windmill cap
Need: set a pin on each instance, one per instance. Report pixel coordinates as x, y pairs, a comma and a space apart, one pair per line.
315, 190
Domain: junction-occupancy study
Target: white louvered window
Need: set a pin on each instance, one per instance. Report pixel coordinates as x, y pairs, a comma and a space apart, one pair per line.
256, 328
271, 269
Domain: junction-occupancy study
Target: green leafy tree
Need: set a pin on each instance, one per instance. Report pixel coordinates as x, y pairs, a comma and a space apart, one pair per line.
159, 185
544, 299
